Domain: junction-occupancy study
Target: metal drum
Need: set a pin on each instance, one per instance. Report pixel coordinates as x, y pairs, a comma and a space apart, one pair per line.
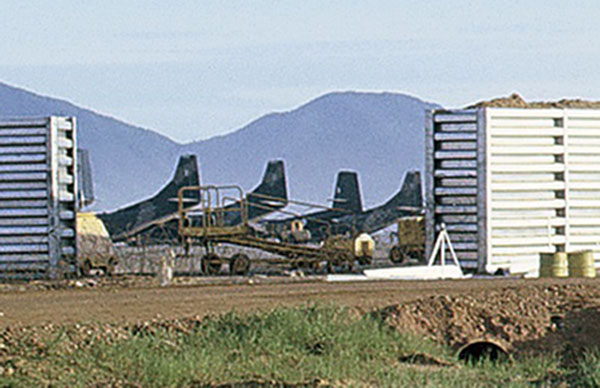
581, 264
553, 265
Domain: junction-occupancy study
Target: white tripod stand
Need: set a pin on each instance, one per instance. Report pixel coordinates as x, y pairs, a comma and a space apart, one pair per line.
440, 246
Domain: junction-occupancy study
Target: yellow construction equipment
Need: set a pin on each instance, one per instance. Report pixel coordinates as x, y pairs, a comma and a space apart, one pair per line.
411, 240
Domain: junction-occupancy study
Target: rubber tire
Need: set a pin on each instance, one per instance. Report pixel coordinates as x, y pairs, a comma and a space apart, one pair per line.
239, 264
397, 255
211, 264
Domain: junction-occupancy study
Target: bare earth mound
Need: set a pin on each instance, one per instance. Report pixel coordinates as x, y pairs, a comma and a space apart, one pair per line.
525, 320
516, 101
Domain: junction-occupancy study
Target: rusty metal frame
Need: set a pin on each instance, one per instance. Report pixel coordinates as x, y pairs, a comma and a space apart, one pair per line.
212, 217
214, 230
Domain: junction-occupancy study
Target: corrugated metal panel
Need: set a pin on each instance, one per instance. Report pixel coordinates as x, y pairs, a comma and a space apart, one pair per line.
526, 202
452, 180
37, 202
537, 182
583, 172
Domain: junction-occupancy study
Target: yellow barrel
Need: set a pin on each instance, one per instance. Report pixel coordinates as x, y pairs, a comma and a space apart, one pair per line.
581, 264
553, 265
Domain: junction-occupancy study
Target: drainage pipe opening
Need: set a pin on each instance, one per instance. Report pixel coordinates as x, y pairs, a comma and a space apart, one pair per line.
478, 350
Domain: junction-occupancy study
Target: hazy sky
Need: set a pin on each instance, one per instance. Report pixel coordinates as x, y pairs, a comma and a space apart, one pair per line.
195, 69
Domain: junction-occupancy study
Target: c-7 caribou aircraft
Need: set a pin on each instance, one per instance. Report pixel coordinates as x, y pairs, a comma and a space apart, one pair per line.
156, 218
348, 217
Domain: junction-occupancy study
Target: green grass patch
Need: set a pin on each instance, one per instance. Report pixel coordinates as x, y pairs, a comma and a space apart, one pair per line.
295, 346
587, 372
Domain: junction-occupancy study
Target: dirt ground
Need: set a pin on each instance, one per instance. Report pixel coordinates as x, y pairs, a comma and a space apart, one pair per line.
523, 316
532, 318
130, 300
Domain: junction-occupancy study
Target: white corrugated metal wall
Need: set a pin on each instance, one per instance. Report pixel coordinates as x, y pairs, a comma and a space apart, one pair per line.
526, 181
537, 183
583, 176
37, 201
453, 167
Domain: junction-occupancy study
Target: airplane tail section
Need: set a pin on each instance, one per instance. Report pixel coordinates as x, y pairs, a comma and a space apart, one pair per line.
271, 193
411, 193
186, 174
347, 192
273, 183
133, 219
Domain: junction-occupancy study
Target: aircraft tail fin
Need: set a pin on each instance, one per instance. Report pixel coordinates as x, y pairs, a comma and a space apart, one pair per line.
273, 183
271, 193
124, 223
347, 192
186, 174
411, 192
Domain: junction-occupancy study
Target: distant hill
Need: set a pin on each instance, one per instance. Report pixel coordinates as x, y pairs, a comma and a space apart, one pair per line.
128, 162
380, 135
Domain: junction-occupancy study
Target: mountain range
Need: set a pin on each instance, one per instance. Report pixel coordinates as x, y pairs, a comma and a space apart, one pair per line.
379, 135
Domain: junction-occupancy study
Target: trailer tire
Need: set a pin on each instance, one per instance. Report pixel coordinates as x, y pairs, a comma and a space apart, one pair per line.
397, 255
211, 264
239, 264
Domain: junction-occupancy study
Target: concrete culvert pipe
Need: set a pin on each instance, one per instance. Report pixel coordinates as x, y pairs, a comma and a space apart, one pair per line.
481, 349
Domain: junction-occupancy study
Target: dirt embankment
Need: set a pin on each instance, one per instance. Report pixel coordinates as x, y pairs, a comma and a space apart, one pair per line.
531, 319
516, 101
